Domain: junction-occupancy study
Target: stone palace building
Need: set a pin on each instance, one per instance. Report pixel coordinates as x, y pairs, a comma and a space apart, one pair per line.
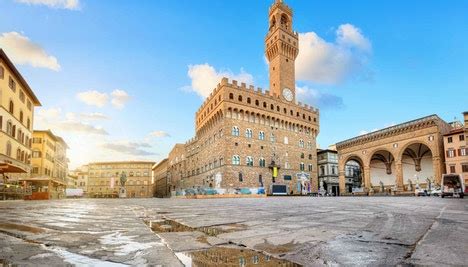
249, 137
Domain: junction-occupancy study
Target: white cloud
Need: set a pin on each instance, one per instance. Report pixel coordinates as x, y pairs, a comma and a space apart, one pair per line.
52, 119
129, 148
61, 4
93, 116
205, 78
317, 98
331, 63
93, 98
160, 134
119, 98
23, 51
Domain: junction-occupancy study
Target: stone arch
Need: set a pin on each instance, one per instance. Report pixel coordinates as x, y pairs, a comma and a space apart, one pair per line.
362, 177
418, 166
382, 169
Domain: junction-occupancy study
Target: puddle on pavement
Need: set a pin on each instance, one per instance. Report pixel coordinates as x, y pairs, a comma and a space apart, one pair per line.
228, 256
22, 228
169, 226
276, 249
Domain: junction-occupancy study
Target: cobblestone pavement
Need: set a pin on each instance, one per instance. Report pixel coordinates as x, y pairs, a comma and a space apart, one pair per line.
304, 230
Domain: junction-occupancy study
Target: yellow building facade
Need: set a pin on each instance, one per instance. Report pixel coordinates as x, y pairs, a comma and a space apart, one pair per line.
104, 179
17, 102
49, 165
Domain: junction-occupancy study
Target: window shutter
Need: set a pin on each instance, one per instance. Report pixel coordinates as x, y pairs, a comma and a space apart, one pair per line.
447, 153
459, 152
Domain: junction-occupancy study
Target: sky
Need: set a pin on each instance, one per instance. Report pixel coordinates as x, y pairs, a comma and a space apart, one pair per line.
122, 80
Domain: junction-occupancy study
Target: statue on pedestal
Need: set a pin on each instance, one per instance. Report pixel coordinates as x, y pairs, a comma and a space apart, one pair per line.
122, 190
410, 185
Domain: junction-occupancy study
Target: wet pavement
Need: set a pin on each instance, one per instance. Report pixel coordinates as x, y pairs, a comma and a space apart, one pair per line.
284, 231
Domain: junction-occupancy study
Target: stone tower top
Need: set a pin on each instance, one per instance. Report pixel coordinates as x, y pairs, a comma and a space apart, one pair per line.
281, 50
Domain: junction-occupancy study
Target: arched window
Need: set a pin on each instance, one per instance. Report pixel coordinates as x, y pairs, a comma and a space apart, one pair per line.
11, 107
241, 177
18, 154
248, 133
235, 160
249, 161
2, 73
302, 155
9, 128
277, 108
231, 96
257, 103
301, 143
235, 131
261, 135
272, 107
310, 167
302, 166
240, 98
248, 100
310, 156
21, 116
8, 149
28, 124
261, 162
264, 104
272, 137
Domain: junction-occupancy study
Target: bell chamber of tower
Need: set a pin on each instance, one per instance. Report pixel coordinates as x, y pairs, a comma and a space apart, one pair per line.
281, 50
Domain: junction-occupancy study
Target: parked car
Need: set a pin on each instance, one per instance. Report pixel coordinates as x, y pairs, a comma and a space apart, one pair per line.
452, 185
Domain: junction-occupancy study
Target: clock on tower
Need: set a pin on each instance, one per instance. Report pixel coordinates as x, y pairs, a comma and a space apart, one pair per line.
281, 50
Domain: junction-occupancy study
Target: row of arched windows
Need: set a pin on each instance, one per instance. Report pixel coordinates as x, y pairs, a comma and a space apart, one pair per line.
11, 109
273, 107
249, 161
18, 134
21, 155
261, 136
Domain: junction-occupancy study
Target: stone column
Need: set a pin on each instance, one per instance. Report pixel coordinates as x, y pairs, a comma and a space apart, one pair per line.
367, 180
342, 182
399, 175
438, 169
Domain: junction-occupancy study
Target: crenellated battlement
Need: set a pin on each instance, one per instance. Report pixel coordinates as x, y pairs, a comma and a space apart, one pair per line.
225, 82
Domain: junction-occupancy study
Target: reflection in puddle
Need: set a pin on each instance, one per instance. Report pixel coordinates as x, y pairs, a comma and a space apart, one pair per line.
169, 226
22, 228
226, 256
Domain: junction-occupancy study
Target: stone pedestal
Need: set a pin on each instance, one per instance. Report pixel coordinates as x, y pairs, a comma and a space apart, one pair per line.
122, 192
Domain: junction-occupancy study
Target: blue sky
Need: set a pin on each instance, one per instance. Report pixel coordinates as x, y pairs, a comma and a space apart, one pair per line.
372, 64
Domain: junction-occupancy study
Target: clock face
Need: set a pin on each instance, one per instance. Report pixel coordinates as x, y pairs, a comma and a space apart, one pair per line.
287, 94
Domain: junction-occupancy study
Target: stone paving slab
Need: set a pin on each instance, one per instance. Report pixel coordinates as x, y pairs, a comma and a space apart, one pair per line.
305, 230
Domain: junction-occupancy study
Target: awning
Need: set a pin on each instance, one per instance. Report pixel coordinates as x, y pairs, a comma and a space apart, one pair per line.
10, 168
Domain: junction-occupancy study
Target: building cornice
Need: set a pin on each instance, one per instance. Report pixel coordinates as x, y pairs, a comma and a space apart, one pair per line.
410, 126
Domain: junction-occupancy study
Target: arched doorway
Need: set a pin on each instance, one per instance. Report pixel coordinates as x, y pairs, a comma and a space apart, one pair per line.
352, 175
382, 171
417, 166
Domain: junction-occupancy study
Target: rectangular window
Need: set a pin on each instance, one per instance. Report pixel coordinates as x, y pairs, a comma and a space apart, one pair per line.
12, 84
452, 169
449, 140
22, 96
462, 137
450, 153
2, 73
463, 151
465, 167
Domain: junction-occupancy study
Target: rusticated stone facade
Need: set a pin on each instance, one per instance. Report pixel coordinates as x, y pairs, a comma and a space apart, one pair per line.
243, 131
397, 157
